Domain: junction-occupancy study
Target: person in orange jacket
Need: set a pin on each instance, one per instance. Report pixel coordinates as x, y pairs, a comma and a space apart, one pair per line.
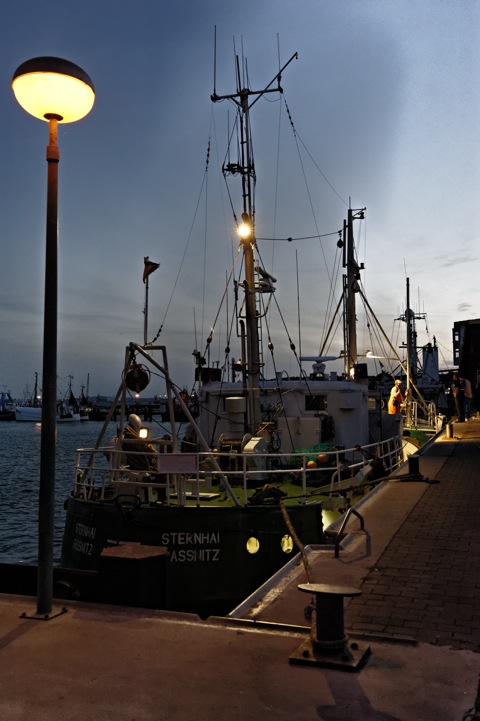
396, 398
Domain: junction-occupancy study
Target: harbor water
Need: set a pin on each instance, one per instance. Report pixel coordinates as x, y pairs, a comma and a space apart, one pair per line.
20, 478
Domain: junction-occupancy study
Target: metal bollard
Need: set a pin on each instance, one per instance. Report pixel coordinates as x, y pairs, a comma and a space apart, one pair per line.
414, 465
328, 645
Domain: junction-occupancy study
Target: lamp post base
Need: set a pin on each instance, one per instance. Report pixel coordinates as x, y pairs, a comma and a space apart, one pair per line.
54, 613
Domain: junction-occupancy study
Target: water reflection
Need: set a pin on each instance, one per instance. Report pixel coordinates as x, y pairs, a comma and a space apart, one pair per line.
19, 483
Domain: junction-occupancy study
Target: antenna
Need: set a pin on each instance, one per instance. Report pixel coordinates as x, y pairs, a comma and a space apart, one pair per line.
215, 61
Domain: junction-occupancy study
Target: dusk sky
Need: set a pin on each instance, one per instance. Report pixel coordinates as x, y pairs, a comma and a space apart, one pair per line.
385, 98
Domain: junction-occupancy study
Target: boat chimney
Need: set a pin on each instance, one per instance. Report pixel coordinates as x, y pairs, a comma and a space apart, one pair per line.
236, 408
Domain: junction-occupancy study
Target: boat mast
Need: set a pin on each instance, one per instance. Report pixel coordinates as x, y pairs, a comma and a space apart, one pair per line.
35, 391
409, 319
246, 168
411, 348
350, 288
249, 242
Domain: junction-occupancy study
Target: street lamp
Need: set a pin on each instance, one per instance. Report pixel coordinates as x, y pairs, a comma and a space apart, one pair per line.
56, 91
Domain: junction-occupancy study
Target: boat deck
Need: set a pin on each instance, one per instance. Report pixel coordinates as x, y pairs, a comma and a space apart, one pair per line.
418, 611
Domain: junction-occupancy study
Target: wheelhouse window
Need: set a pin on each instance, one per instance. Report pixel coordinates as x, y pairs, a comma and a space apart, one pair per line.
315, 403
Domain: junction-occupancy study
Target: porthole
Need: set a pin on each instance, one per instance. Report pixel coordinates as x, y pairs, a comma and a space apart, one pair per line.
287, 544
253, 545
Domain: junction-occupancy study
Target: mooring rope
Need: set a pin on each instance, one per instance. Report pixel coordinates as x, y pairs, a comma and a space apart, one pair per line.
297, 541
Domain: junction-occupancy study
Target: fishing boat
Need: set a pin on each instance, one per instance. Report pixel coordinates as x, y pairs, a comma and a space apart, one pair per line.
31, 412
31, 408
7, 404
263, 461
71, 409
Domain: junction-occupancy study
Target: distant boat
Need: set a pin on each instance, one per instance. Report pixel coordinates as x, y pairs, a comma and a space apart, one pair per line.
31, 412
84, 405
28, 413
7, 412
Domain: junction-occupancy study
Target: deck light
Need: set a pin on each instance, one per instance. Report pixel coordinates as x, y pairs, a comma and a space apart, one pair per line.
56, 91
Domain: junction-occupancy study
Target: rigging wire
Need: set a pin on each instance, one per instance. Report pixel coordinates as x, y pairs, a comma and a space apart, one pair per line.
221, 182
277, 175
305, 237
335, 274
448, 350
298, 307
231, 168
289, 337
331, 294
302, 166
224, 296
189, 237
315, 164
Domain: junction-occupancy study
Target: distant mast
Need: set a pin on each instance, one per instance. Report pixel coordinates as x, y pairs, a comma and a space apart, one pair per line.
246, 168
35, 391
409, 318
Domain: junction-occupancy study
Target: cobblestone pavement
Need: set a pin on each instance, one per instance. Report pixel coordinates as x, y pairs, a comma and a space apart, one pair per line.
426, 584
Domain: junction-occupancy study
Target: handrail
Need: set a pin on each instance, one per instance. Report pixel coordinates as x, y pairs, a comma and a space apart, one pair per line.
248, 468
346, 518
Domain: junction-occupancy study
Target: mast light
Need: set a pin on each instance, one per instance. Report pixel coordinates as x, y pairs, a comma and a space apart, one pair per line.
245, 229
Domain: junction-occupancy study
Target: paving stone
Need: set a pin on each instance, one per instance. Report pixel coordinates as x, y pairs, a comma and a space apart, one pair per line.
428, 578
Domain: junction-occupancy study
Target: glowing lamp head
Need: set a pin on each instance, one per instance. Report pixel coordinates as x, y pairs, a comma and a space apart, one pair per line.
244, 231
51, 87
245, 228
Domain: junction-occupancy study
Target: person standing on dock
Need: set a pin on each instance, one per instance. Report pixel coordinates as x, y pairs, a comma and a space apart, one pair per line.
458, 387
396, 398
467, 398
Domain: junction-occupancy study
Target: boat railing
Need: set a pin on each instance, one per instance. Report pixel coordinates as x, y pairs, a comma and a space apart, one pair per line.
389, 452
151, 477
429, 419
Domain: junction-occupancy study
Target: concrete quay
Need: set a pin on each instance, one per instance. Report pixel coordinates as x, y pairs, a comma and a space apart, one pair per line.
418, 612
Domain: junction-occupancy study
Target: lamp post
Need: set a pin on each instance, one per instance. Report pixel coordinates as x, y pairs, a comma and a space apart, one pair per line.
56, 91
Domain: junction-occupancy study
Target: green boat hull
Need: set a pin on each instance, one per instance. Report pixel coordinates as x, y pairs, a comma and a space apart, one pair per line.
217, 556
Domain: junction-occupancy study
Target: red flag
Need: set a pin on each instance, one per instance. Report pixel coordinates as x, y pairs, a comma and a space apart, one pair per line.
149, 267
